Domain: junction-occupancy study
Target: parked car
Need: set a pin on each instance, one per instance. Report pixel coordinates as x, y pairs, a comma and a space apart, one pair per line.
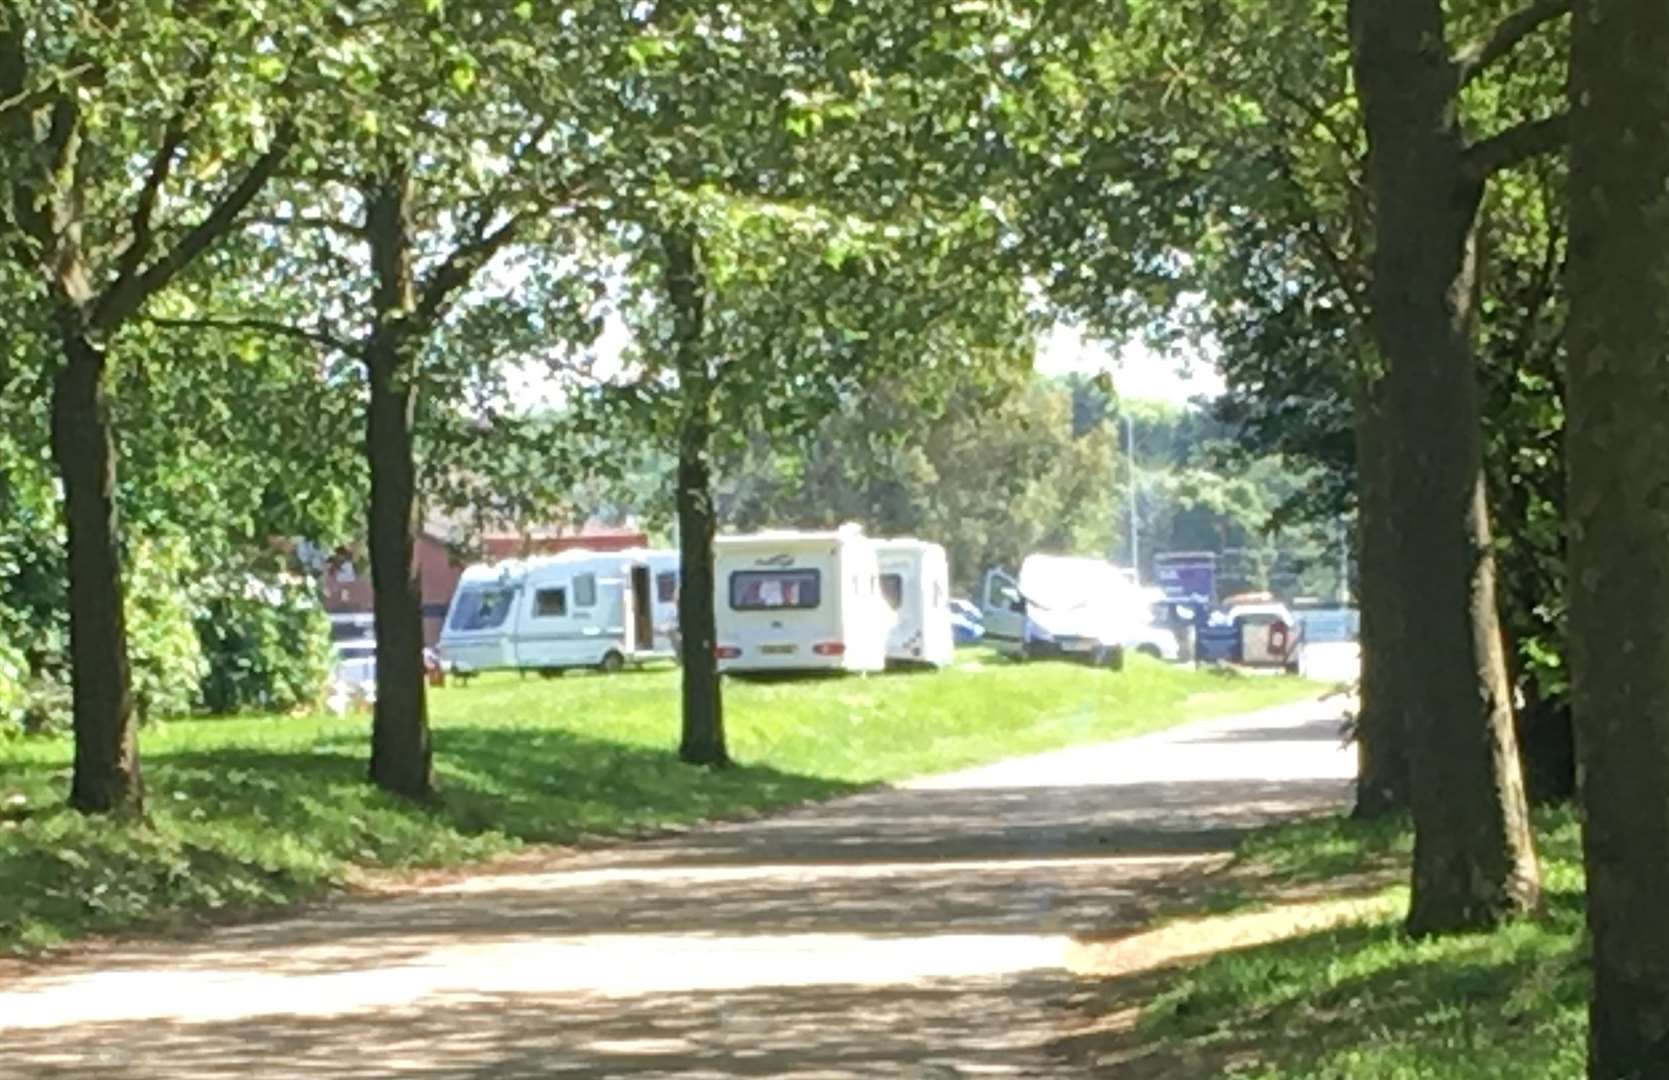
967, 624
352, 626
353, 681
355, 672
1066, 607
1158, 642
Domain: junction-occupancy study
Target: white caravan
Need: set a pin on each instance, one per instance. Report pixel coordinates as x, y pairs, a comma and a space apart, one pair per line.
799, 601
579, 609
1066, 606
915, 583
654, 586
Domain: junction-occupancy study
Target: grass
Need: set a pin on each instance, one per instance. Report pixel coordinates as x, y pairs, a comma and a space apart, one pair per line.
255, 813
1364, 1001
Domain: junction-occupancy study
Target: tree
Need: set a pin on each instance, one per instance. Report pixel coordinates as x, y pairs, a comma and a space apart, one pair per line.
384, 233
97, 174
1618, 450
1197, 181
1474, 862
993, 473
758, 140
755, 318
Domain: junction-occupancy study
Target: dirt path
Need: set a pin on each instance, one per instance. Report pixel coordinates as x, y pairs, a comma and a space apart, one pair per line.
918, 932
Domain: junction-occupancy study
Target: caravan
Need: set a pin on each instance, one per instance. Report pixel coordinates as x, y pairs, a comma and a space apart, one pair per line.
799, 601
654, 586
1064, 606
915, 583
580, 609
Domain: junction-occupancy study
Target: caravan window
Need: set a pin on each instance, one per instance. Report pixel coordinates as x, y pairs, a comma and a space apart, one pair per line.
892, 589
550, 603
666, 587
482, 609
585, 590
770, 590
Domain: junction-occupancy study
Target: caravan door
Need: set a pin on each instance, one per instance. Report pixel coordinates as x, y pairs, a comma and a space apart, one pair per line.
641, 612
1005, 614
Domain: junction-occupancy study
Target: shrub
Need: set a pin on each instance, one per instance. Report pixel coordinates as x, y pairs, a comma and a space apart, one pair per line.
163, 648
14, 674
266, 641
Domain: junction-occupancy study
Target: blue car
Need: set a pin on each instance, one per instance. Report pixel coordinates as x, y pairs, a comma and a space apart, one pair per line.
967, 624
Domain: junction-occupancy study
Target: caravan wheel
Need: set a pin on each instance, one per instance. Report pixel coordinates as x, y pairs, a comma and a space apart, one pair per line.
612, 663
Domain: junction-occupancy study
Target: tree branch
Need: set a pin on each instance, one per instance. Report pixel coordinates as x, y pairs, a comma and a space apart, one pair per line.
1516, 145
311, 223
140, 238
272, 327
461, 267
25, 101
1477, 58
125, 297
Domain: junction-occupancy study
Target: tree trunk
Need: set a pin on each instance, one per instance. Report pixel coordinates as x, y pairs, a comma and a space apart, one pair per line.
1474, 861
401, 755
106, 777
1381, 737
703, 727
1618, 512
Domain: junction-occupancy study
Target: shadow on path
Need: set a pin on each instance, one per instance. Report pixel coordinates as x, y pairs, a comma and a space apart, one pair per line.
916, 932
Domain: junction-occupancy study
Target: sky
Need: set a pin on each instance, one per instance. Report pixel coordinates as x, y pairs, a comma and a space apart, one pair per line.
1139, 374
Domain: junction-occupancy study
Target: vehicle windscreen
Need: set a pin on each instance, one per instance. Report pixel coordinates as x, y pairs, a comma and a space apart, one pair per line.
481, 608
892, 590
775, 590
350, 631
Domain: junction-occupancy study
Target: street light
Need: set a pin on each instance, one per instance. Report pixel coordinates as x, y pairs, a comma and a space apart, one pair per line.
1130, 464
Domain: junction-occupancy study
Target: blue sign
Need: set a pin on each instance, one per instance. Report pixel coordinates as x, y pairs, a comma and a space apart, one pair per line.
1187, 575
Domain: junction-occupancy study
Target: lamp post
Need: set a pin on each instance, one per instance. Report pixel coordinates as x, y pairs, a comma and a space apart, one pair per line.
1130, 465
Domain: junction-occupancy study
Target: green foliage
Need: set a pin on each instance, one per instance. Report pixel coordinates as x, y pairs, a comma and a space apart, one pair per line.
992, 476
167, 658
14, 677
266, 645
251, 813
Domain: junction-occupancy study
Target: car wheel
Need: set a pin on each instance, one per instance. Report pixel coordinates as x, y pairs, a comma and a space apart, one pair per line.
612, 663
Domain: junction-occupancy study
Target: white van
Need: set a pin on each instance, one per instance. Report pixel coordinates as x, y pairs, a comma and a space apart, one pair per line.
915, 583
579, 609
799, 601
1063, 606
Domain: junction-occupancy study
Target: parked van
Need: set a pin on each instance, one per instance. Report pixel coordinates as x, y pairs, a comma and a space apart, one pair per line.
1064, 606
799, 601
915, 583
579, 609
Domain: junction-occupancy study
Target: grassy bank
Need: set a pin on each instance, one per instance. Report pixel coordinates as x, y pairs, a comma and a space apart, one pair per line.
1363, 1001
253, 813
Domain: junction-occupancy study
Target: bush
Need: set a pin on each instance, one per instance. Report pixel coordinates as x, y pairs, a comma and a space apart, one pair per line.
266, 641
14, 673
162, 638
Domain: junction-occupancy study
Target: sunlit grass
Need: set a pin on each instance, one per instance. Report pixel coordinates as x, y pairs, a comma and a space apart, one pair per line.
256, 812
1365, 1001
